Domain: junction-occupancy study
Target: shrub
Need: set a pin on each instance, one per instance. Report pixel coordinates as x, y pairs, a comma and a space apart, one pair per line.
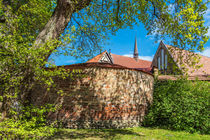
180, 105
30, 124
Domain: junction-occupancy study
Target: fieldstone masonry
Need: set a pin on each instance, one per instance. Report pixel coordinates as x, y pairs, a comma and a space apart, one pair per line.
103, 96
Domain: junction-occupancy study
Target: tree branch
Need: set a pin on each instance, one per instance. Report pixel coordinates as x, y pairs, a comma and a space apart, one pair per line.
84, 31
59, 20
118, 10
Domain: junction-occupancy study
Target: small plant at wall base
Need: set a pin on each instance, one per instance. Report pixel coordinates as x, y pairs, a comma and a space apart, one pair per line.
180, 105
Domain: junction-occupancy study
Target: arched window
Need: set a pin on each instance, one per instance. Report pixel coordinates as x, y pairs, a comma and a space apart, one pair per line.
166, 61
159, 63
162, 54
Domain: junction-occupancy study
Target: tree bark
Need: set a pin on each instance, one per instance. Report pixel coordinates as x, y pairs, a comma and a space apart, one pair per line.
59, 20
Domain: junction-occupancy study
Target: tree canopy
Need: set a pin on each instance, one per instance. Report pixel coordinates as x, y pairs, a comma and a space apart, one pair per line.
86, 24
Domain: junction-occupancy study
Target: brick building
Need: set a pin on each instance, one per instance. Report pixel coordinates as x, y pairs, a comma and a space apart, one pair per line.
172, 61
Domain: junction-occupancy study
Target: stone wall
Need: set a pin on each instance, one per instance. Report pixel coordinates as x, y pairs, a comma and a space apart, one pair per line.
103, 96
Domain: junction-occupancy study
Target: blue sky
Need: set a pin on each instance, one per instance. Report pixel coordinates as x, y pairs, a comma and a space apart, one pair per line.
123, 44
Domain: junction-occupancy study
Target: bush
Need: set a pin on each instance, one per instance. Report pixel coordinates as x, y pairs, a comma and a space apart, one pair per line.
180, 105
30, 124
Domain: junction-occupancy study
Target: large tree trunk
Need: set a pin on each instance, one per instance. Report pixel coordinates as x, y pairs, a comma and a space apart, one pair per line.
59, 20
52, 30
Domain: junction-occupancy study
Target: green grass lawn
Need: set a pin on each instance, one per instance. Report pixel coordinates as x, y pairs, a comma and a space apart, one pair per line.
138, 133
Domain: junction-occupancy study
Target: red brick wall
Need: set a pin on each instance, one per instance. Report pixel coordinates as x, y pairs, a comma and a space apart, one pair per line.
104, 98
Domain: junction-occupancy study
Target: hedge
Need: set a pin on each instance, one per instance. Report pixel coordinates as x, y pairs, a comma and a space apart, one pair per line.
180, 105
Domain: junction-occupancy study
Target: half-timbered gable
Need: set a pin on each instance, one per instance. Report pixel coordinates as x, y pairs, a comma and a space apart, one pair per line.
104, 57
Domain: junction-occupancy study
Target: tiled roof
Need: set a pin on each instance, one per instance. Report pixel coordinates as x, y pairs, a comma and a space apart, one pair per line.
96, 58
126, 62
205, 61
131, 62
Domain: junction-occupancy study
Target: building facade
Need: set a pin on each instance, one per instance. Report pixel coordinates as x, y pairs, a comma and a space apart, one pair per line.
172, 61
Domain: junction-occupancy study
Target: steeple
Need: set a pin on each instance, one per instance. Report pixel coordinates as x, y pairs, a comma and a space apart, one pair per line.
135, 54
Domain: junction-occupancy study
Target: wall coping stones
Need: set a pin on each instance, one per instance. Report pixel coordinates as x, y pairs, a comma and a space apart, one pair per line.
100, 65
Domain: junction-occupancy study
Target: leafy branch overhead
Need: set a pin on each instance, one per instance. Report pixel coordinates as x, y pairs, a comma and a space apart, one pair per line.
84, 25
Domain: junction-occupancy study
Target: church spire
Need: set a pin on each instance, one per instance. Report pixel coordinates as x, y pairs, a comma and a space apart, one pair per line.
135, 54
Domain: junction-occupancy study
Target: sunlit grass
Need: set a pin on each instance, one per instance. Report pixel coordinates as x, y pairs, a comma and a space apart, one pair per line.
138, 133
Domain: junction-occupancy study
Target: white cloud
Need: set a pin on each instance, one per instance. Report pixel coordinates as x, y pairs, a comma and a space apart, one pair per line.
208, 34
207, 19
206, 52
149, 58
207, 15
151, 37
71, 61
128, 55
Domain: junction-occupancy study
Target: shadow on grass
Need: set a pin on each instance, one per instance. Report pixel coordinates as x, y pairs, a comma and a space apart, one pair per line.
93, 133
